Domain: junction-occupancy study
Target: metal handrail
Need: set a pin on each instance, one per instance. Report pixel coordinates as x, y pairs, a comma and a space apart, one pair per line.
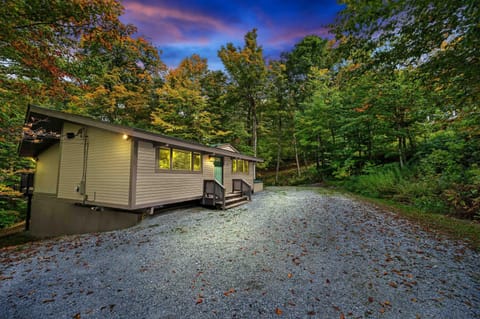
243, 187
216, 192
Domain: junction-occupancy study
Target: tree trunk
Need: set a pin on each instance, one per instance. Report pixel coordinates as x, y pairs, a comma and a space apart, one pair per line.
296, 153
279, 149
277, 169
254, 127
318, 152
401, 155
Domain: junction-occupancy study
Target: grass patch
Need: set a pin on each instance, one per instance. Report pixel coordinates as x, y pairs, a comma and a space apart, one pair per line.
17, 239
454, 228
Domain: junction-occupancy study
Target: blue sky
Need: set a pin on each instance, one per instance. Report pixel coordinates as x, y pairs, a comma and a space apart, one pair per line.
183, 27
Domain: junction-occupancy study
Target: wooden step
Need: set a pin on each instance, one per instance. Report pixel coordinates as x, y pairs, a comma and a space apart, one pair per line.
237, 203
233, 195
233, 200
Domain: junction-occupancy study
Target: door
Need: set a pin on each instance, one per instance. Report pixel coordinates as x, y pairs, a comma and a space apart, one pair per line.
218, 169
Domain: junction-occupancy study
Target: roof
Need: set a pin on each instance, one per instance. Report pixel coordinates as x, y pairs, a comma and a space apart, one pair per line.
49, 123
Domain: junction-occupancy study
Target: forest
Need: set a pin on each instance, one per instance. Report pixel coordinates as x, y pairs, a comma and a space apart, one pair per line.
388, 107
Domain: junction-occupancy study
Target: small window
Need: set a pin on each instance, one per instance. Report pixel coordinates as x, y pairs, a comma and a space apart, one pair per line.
181, 160
164, 158
197, 162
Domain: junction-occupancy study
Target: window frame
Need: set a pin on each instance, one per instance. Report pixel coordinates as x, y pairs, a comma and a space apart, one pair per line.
242, 164
171, 170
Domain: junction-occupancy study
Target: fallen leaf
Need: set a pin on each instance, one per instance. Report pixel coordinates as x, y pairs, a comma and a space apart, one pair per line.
278, 311
382, 310
393, 284
311, 313
77, 316
370, 299
342, 316
290, 275
199, 301
229, 292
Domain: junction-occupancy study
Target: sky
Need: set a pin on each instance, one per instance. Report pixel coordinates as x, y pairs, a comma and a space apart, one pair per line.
181, 28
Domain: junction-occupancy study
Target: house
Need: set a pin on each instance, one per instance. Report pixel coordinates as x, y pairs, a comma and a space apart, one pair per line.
95, 176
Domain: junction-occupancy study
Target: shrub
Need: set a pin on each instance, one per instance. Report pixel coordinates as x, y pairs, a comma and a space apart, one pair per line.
8, 218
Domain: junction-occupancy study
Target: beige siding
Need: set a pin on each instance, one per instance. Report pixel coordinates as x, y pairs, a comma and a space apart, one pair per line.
71, 163
108, 171
46, 174
166, 187
108, 166
208, 168
227, 174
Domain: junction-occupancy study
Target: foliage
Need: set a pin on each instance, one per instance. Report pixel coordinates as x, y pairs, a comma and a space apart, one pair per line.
247, 70
390, 108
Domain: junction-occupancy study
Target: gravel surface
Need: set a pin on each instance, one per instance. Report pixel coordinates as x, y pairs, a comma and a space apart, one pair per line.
290, 253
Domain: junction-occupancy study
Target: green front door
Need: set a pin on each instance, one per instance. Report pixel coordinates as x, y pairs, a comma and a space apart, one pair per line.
218, 170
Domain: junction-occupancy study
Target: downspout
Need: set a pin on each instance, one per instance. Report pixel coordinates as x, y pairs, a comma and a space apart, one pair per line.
83, 182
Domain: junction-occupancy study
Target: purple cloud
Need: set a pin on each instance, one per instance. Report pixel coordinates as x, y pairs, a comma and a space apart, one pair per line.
183, 27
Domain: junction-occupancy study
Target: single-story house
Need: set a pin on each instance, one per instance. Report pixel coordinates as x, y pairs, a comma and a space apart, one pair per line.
95, 176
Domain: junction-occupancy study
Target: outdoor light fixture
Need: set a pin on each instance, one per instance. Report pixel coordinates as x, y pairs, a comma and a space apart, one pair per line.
125, 137
70, 135
211, 158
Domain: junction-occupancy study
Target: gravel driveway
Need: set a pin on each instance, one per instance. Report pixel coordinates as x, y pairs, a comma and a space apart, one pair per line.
291, 253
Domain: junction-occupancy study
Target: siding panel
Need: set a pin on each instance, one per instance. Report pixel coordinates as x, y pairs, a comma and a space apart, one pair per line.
71, 163
108, 166
46, 173
153, 187
108, 172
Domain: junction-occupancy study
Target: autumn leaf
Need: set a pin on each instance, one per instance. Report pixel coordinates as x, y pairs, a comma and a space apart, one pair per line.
370, 299
278, 311
229, 292
342, 316
199, 301
393, 284
311, 313
77, 316
290, 275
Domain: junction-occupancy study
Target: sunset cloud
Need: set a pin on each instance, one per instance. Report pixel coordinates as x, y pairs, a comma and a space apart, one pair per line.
183, 27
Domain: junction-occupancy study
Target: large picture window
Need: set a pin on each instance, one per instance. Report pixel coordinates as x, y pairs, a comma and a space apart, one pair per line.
239, 166
172, 159
181, 160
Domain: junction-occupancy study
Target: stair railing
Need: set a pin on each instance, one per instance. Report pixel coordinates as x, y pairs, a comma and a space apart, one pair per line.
215, 191
240, 185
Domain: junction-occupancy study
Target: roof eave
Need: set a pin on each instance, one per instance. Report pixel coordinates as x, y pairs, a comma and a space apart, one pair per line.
135, 133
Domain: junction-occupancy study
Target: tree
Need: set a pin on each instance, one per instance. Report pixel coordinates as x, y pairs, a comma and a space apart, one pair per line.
73, 55
311, 52
441, 38
247, 70
183, 108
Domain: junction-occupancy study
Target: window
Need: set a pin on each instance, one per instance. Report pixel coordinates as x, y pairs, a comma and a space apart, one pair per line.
164, 158
239, 166
172, 159
181, 160
197, 162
